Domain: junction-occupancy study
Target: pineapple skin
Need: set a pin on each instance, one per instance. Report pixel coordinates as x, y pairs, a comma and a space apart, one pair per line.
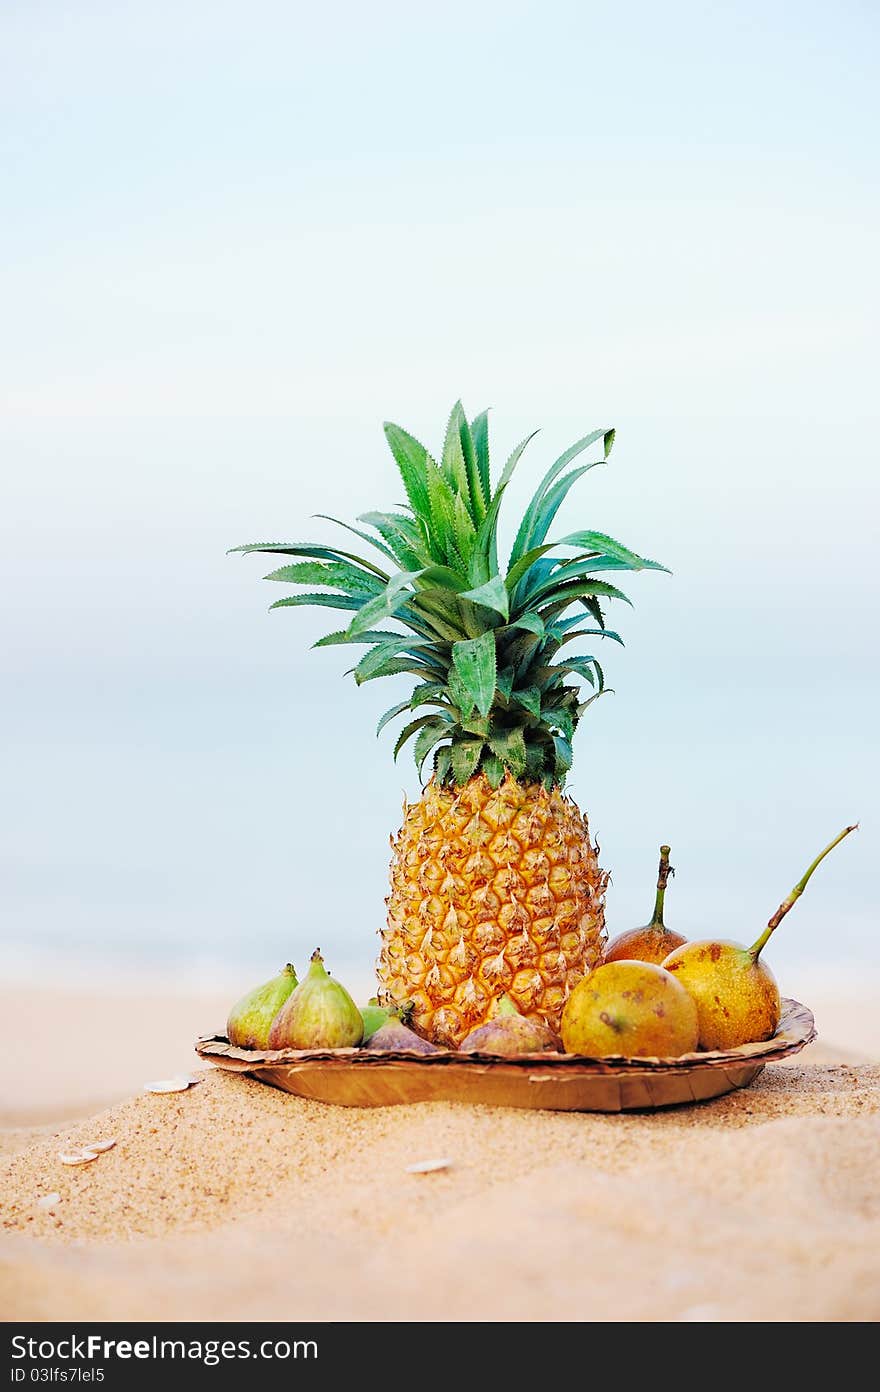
493, 891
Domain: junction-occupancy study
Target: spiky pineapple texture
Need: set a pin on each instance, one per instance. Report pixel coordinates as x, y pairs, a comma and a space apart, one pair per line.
492, 891
495, 694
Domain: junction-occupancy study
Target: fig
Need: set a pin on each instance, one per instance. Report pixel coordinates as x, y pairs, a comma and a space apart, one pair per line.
508, 1032
394, 1034
736, 995
250, 1019
375, 1016
655, 941
319, 1015
631, 1009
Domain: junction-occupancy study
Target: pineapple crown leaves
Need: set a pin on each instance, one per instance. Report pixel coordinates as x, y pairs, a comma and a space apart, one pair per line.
495, 690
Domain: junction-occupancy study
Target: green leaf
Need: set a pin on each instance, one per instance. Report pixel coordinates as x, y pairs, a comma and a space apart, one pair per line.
510, 748
439, 611
441, 577
487, 536
393, 666
536, 757
476, 725
394, 596
564, 755
427, 738
411, 458
429, 692
524, 565
342, 635
323, 601
329, 553
591, 602
465, 757
607, 546
609, 555
572, 570
409, 730
532, 623
563, 720
552, 503
576, 589
492, 595
504, 682
390, 714
474, 660
524, 537
512, 461
454, 466
460, 694
442, 763
561, 637
336, 575
364, 536
371, 663
606, 691
465, 531
402, 536
579, 666
480, 436
479, 495
521, 653
529, 697
441, 501
494, 770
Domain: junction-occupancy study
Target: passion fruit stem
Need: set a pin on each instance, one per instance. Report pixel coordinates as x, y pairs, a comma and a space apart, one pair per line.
663, 876
758, 947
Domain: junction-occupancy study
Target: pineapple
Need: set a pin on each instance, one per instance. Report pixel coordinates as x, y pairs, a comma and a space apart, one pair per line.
495, 882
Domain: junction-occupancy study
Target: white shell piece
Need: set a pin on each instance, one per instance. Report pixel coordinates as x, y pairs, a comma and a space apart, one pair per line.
171, 1085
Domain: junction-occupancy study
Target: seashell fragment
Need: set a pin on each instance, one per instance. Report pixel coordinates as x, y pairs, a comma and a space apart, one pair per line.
427, 1166
77, 1157
171, 1085
100, 1146
49, 1200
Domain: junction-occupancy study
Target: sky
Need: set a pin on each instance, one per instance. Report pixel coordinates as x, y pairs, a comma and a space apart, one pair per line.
235, 239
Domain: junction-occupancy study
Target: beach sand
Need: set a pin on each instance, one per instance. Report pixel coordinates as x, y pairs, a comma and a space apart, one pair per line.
233, 1200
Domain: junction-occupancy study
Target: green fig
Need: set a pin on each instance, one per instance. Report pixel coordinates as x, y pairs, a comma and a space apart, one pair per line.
319, 1015
509, 1032
250, 1019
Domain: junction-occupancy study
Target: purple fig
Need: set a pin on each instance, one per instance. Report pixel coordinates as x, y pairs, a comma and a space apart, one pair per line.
394, 1034
375, 1015
250, 1019
319, 1015
510, 1033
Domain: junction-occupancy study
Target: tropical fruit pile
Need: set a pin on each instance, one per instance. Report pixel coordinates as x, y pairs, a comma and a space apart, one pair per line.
652, 995
495, 928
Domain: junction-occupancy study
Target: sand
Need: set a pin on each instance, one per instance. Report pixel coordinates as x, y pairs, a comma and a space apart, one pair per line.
233, 1200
